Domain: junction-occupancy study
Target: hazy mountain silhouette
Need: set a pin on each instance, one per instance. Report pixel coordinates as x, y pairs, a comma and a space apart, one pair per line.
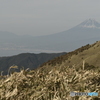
82, 34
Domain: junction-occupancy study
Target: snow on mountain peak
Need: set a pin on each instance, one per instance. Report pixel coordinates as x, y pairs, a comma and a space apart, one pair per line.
90, 23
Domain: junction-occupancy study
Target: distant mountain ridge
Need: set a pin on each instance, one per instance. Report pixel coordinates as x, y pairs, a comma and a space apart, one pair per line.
26, 60
86, 32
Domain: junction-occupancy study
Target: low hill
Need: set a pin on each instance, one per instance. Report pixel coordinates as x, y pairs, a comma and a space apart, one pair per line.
26, 60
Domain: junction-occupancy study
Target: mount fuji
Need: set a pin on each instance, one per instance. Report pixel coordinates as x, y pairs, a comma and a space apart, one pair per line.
86, 32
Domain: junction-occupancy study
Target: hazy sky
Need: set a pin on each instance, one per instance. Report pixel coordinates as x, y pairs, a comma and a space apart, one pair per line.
41, 17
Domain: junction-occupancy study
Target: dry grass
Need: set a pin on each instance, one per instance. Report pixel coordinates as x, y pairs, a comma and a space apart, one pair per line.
53, 84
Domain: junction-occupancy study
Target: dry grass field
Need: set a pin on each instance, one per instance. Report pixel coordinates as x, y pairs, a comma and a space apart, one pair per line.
55, 84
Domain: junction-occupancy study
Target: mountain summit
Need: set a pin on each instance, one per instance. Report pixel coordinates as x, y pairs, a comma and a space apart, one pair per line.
90, 23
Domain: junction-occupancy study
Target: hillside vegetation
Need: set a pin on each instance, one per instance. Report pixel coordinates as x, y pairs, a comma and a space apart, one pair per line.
55, 84
55, 81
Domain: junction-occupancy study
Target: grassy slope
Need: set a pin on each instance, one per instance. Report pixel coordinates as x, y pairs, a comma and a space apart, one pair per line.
88, 53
